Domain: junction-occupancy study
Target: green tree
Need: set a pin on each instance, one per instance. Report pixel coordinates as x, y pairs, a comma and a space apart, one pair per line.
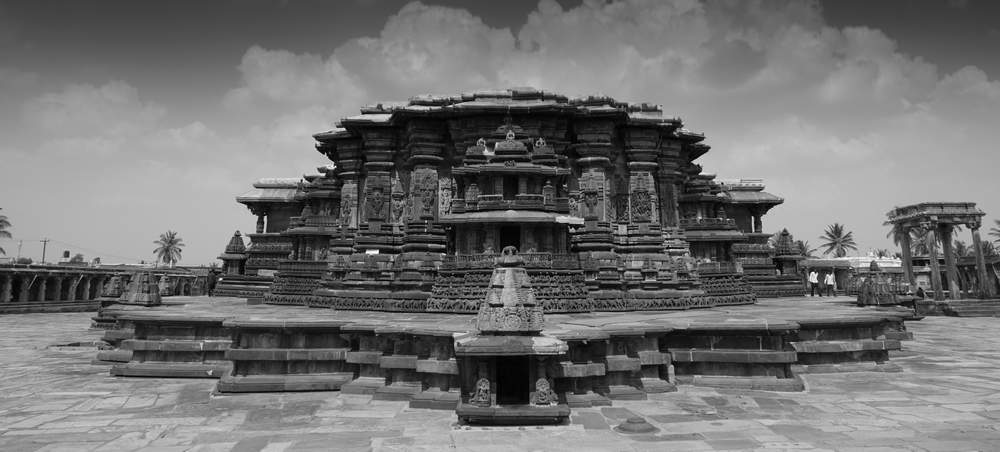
804, 249
882, 253
4, 233
995, 231
23, 260
988, 249
169, 247
77, 259
838, 240
960, 249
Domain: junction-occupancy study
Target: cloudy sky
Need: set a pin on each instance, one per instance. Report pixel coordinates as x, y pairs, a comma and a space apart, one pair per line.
122, 119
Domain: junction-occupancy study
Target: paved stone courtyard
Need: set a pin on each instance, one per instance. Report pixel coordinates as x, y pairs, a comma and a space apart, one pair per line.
947, 397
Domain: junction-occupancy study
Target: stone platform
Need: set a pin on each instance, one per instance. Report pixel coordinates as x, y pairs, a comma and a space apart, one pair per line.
945, 398
411, 357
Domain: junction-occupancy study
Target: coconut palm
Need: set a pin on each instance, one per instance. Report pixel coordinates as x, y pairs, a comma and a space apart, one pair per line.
881, 253
4, 233
995, 231
838, 240
804, 249
988, 249
960, 249
169, 249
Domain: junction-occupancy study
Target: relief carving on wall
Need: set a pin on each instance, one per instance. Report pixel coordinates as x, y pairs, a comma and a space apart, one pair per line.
642, 206
375, 203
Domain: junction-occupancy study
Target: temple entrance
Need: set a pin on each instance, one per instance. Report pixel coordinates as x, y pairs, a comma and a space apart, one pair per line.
512, 380
510, 236
509, 187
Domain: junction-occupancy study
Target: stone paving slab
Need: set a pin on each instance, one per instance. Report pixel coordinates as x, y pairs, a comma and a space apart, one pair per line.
947, 397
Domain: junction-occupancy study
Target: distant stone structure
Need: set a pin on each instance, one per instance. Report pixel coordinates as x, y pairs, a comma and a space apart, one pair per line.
939, 220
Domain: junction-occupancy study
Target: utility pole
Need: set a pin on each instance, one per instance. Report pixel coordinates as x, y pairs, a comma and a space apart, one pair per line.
45, 244
19, 243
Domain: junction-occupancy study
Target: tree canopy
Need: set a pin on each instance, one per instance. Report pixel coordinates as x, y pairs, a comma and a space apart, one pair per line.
838, 240
168, 248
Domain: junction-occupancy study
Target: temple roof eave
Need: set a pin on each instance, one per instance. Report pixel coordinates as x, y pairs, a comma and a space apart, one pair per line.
511, 216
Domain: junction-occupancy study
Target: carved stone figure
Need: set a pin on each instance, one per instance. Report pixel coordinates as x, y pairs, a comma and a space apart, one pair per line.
482, 396
544, 395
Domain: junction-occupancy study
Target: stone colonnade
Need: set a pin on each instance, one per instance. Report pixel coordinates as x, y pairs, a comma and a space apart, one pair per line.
945, 230
42, 286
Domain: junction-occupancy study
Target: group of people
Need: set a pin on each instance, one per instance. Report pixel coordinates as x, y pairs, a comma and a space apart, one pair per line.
829, 283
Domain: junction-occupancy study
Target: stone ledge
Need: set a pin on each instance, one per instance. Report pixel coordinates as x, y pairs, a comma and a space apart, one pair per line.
170, 369
279, 383
653, 358
366, 357
753, 383
176, 345
438, 366
435, 399
846, 367
398, 362
845, 346
574, 370
287, 354
733, 356
513, 414
618, 363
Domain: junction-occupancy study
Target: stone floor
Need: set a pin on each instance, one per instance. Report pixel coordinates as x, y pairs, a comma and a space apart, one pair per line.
51, 398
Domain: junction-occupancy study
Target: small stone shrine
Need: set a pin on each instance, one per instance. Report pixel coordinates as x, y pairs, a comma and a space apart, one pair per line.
142, 290
505, 361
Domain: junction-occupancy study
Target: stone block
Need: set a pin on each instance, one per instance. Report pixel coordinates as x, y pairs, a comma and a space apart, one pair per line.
436, 399
650, 358
437, 366
171, 369
398, 362
279, 383
366, 357
733, 356
617, 363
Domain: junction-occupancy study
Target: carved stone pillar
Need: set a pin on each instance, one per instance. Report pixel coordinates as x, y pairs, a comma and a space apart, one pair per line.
931, 240
260, 223
74, 283
5, 290
986, 289
951, 270
86, 288
904, 244
26, 282
57, 289
42, 286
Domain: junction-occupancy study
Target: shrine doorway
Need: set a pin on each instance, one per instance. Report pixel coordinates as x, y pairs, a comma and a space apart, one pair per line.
512, 380
510, 236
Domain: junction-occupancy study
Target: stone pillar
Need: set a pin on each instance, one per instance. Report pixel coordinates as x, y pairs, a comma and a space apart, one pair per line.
904, 244
986, 289
58, 280
26, 281
260, 223
5, 295
74, 283
758, 222
42, 286
951, 270
935, 266
86, 288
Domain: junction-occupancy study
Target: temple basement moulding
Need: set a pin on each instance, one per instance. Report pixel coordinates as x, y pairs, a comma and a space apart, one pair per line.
602, 199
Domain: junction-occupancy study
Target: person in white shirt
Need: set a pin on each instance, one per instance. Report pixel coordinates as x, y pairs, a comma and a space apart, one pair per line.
814, 283
831, 284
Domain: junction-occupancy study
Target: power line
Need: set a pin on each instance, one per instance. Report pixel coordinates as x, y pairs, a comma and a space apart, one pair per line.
90, 251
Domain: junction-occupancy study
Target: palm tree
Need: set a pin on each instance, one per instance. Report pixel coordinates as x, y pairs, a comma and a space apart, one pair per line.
804, 249
988, 249
169, 249
995, 231
960, 249
4, 233
838, 240
882, 253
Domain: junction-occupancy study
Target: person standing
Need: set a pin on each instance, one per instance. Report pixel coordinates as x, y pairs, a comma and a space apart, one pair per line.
831, 284
814, 283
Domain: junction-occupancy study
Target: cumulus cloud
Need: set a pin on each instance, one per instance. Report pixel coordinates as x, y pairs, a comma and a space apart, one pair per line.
780, 93
112, 109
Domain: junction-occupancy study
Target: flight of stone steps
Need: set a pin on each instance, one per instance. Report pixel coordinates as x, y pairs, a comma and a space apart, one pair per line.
973, 308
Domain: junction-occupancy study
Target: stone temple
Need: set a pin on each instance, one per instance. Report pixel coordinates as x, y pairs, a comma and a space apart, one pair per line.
509, 255
602, 199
